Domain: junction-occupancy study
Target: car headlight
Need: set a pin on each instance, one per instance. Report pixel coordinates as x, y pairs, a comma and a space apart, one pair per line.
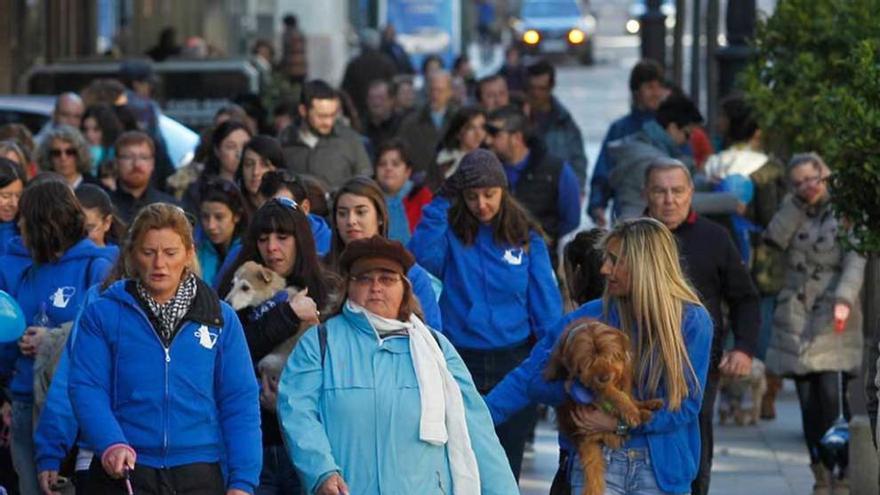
531, 37
632, 26
576, 36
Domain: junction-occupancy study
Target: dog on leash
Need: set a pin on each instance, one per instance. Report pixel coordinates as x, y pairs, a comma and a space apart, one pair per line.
733, 390
599, 357
252, 285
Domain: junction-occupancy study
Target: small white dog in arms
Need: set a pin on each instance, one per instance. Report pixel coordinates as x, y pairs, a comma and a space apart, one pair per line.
252, 285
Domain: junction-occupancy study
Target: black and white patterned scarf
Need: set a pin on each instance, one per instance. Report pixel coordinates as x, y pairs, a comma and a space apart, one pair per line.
169, 314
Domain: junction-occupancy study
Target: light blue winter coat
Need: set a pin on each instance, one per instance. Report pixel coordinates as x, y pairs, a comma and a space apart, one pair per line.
357, 414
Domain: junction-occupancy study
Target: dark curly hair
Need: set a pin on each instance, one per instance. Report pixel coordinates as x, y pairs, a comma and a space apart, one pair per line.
53, 220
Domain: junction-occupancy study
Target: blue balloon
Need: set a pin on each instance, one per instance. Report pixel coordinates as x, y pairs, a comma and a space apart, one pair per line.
738, 185
12, 323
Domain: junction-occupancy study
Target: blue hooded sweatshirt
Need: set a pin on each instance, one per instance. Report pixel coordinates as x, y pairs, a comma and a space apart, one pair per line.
196, 400
669, 434
57, 429
8, 230
60, 286
494, 296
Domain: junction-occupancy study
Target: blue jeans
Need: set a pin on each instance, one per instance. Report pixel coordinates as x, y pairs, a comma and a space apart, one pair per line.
278, 476
627, 472
23, 448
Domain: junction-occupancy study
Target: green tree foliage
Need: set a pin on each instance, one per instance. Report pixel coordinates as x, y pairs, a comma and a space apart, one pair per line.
815, 83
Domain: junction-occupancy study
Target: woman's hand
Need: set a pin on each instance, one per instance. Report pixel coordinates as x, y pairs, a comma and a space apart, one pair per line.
48, 479
591, 420
334, 485
117, 459
841, 315
30, 341
304, 307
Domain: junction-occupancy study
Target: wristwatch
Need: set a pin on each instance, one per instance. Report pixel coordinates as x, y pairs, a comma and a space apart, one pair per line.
622, 428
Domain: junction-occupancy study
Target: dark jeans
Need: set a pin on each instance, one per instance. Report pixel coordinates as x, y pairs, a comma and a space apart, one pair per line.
820, 406
561, 484
190, 479
278, 476
700, 485
487, 369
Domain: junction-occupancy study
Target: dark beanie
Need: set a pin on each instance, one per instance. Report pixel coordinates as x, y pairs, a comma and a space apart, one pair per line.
479, 168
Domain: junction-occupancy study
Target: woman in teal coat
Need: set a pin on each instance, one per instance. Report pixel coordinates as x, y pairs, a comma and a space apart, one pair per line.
373, 402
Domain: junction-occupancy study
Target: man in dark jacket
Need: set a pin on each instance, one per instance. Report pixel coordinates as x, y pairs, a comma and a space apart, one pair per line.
320, 145
380, 122
136, 162
552, 122
535, 175
646, 87
713, 264
370, 65
421, 129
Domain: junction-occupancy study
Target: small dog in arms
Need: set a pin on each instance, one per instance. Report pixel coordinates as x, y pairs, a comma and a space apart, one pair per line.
599, 357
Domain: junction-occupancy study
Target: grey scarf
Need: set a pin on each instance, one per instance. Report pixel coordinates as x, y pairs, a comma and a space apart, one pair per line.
170, 313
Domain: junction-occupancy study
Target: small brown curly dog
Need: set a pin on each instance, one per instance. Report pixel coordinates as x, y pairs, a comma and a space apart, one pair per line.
599, 357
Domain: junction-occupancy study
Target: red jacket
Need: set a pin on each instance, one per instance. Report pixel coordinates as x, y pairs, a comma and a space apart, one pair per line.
413, 203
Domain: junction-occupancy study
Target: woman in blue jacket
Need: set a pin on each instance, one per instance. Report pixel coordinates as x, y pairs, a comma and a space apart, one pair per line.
160, 377
648, 297
48, 275
222, 220
375, 401
12, 181
360, 212
499, 290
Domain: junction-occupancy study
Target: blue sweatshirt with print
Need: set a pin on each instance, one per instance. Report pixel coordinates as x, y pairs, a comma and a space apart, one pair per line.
59, 286
494, 296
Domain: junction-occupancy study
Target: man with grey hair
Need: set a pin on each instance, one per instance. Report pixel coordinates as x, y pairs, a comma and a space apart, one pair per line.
421, 129
714, 266
69, 110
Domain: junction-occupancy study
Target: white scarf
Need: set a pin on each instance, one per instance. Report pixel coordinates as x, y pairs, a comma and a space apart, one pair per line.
442, 418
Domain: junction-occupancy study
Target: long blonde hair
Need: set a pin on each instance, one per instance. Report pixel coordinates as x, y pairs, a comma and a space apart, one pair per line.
652, 313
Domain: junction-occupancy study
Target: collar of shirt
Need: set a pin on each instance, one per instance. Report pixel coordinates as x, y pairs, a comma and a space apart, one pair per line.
514, 170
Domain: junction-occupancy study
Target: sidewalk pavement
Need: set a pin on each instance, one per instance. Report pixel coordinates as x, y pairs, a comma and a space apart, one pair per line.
770, 458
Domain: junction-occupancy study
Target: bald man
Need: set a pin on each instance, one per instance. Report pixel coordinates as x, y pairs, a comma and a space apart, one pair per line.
69, 110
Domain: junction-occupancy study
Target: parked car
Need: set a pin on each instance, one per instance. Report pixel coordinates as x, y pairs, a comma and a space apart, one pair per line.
638, 8
34, 111
556, 27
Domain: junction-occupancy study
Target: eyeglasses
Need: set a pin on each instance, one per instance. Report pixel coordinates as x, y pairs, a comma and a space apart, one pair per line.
133, 158
56, 152
809, 181
385, 280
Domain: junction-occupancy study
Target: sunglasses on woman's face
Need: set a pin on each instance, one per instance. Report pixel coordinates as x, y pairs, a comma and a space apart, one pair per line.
56, 152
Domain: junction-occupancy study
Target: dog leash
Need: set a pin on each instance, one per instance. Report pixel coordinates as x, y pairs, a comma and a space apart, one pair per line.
126, 475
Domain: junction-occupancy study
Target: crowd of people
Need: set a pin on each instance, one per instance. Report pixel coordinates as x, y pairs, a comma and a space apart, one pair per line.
362, 297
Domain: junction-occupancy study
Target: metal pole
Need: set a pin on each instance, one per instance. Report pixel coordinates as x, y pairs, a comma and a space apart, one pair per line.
732, 59
678, 44
654, 33
696, 33
712, 14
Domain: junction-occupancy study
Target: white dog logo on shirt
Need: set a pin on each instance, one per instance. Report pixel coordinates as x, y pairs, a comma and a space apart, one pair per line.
514, 256
206, 338
61, 297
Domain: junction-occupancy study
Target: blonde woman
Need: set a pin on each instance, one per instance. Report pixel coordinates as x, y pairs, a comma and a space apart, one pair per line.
649, 298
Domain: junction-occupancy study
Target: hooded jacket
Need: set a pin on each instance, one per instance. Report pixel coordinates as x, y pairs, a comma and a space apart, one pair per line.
60, 286
193, 401
8, 231
354, 409
671, 435
494, 296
